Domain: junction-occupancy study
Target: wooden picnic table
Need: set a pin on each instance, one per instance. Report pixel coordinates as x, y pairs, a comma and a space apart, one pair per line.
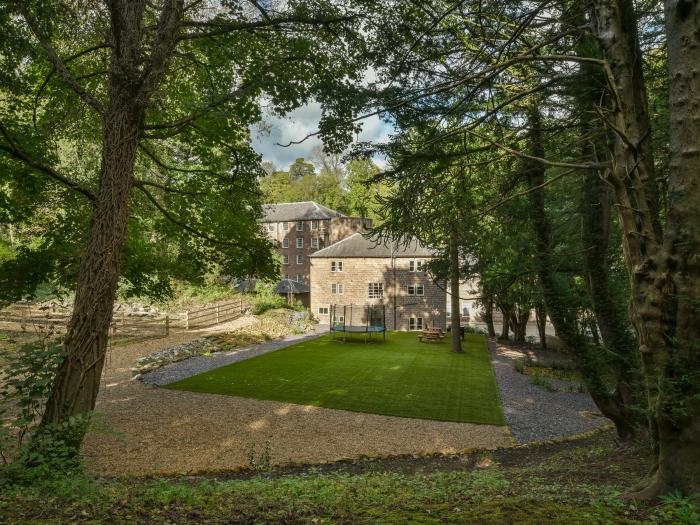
431, 334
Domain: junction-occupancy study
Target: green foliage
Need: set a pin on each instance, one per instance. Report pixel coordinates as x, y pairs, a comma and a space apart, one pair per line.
29, 450
678, 509
267, 299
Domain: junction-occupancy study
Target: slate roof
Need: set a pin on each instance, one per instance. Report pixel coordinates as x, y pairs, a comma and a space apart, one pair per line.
298, 211
286, 286
357, 245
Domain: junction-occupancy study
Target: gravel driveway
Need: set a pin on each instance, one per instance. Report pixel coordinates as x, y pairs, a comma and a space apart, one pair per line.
532, 412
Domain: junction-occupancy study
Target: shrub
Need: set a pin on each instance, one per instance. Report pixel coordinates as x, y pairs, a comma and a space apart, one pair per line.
267, 299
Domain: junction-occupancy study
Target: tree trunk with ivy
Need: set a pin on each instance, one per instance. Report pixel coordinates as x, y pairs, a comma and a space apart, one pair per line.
454, 288
664, 266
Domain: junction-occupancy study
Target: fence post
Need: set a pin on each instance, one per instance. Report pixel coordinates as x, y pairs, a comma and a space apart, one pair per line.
25, 313
217, 314
187, 319
167, 324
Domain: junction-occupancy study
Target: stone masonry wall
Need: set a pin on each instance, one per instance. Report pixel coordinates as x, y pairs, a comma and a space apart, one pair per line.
358, 273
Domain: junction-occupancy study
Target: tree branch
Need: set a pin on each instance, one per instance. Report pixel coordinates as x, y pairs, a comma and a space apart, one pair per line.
60, 66
16, 151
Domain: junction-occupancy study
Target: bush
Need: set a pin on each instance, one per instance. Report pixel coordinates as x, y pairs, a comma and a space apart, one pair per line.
267, 299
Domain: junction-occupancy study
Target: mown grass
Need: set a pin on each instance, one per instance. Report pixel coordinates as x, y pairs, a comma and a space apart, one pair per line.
401, 377
570, 484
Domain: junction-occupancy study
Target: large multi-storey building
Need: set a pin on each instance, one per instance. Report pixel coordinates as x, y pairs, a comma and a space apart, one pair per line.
360, 271
302, 228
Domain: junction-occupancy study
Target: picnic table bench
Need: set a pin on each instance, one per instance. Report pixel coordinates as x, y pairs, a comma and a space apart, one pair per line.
431, 335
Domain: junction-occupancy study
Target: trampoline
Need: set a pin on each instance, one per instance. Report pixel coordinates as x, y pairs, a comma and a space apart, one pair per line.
365, 319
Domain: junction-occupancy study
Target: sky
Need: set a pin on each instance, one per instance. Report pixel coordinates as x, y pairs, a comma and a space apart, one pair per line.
296, 126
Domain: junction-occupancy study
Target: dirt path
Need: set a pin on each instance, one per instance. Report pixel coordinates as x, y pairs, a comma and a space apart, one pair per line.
174, 432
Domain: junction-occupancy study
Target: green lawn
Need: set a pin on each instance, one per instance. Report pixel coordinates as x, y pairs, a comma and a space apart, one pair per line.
401, 377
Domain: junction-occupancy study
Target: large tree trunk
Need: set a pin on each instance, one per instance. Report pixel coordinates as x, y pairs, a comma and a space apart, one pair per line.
665, 272
134, 77
519, 317
488, 316
454, 288
589, 358
541, 319
505, 324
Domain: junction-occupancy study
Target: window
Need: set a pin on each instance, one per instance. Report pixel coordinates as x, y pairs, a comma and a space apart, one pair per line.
415, 289
465, 309
323, 310
285, 259
339, 319
375, 290
415, 323
314, 225
415, 266
285, 226
333, 267
300, 278
300, 259
337, 288
336, 266
300, 242
285, 243
270, 227
314, 242
300, 226
286, 276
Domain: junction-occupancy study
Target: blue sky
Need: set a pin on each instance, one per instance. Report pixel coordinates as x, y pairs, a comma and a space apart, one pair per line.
296, 126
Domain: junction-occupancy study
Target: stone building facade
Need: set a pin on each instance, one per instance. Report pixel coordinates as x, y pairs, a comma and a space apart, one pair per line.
357, 271
302, 228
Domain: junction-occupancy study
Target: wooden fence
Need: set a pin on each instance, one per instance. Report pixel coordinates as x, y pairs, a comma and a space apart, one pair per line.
29, 316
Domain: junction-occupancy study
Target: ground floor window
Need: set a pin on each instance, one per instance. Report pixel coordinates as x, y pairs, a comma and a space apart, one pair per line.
339, 319
323, 310
415, 323
375, 290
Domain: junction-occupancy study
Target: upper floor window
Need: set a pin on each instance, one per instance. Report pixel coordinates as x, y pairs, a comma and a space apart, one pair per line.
285, 259
314, 242
337, 288
285, 226
300, 259
285, 243
300, 242
300, 226
415, 289
375, 290
314, 225
415, 266
336, 266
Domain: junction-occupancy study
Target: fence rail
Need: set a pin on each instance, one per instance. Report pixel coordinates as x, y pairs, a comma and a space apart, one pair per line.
26, 315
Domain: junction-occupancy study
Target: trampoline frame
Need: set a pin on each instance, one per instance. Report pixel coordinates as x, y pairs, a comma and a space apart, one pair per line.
367, 329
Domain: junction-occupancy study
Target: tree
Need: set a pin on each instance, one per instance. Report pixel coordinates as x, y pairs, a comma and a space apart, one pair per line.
171, 88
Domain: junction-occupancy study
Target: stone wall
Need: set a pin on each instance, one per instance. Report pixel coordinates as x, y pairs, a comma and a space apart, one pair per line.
358, 273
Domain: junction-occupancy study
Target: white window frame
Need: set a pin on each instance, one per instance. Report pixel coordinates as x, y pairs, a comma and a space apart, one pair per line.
412, 289
339, 266
300, 242
270, 227
300, 278
285, 226
421, 288
415, 323
332, 266
300, 226
415, 265
285, 243
322, 310
314, 224
375, 290
285, 259
300, 258
337, 289
314, 242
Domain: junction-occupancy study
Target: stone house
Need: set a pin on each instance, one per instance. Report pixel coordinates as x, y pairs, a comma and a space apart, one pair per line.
302, 228
360, 271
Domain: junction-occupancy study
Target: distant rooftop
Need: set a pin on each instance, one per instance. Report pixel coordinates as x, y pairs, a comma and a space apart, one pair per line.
357, 245
298, 211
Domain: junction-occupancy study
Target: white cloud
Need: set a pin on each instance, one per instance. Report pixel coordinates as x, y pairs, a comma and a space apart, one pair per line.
298, 125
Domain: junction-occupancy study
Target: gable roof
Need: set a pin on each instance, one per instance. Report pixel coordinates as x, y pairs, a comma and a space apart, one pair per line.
297, 211
357, 245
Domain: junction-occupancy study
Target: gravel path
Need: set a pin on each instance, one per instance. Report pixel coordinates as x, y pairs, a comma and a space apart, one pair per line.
199, 364
532, 412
